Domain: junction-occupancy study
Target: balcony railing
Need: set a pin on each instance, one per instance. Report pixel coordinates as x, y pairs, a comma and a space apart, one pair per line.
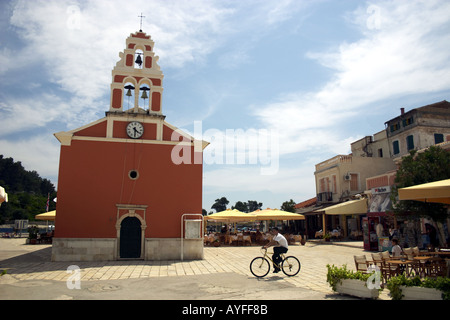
325, 197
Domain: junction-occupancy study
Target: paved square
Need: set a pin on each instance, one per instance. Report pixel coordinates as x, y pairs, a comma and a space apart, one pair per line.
27, 263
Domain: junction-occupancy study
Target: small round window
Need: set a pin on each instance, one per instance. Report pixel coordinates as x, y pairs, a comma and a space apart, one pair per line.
133, 174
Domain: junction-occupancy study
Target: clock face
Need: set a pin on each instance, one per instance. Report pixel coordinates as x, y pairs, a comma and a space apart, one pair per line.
135, 130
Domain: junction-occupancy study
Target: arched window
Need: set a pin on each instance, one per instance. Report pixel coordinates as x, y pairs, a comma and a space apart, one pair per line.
145, 94
128, 97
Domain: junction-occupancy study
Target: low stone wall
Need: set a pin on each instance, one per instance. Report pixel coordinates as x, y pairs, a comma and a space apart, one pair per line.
101, 249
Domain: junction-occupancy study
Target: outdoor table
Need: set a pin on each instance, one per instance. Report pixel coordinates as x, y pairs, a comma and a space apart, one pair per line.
421, 258
406, 264
439, 253
442, 254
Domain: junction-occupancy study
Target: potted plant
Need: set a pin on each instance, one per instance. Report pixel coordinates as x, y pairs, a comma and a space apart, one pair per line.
32, 234
346, 281
327, 237
401, 287
216, 243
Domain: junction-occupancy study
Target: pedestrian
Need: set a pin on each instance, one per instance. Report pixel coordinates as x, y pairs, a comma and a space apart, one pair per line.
396, 249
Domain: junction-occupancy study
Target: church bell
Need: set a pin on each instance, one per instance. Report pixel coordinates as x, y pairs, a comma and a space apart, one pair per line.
138, 60
144, 92
129, 87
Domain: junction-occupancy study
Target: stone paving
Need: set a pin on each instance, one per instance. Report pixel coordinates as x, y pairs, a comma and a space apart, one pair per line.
28, 262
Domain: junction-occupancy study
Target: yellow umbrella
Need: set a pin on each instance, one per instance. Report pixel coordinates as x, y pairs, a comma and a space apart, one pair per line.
230, 216
275, 214
437, 191
49, 216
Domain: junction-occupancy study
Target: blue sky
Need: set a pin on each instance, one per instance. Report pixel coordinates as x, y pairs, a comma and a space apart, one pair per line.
313, 76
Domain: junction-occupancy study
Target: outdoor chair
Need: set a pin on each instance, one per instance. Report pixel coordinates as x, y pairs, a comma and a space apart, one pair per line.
414, 265
298, 238
240, 239
381, 261
408, 252
378, 260
391, 270
385, 255
436, 268
361, 263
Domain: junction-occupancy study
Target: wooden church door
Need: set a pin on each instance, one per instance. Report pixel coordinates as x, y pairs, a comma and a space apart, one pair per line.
130, 238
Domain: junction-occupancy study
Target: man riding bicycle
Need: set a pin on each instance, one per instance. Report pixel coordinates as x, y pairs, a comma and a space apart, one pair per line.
280, 246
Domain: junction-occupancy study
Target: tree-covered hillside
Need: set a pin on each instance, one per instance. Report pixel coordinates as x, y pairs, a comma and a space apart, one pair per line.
27, 191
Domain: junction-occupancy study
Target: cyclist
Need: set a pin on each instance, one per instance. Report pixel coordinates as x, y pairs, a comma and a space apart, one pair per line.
280, 246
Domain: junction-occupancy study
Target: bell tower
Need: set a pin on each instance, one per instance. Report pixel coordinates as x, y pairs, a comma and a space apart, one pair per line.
137, 78
130, 166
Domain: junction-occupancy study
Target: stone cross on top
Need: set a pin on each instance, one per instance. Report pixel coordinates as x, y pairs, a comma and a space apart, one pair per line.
141, 16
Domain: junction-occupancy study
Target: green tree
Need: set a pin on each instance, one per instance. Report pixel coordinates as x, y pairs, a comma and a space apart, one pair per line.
220, 204
27, 191
417, 168
288, 206
241, 206
254, 205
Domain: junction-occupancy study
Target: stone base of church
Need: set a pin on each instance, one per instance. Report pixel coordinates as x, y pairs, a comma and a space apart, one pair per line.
106, 249
83, 249
170, 249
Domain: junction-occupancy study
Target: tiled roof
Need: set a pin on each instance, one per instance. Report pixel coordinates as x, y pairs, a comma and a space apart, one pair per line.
306, 203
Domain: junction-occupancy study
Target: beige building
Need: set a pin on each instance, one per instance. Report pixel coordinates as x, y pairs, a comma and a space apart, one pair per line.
344, 176
370, 169
376, 146
418, 128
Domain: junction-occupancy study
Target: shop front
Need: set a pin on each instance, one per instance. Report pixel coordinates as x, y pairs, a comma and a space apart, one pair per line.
379, 225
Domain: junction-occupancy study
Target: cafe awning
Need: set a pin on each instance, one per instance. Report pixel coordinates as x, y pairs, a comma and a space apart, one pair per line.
275, 214
49, 216
346, 208
438, 191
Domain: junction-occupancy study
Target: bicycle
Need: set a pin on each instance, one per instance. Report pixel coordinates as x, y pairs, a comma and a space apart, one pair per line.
260, 266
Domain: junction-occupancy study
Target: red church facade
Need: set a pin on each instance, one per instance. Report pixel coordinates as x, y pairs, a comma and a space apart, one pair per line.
122, 191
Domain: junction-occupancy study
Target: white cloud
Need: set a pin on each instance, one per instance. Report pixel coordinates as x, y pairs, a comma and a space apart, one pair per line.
79, 45
231, 178
36, 153
20, 114
405, 51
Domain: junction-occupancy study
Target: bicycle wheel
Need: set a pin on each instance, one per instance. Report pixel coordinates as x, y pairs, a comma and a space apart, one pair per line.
290, 266
259, 267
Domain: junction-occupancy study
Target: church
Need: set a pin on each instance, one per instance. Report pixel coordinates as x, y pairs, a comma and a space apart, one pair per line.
123, 192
